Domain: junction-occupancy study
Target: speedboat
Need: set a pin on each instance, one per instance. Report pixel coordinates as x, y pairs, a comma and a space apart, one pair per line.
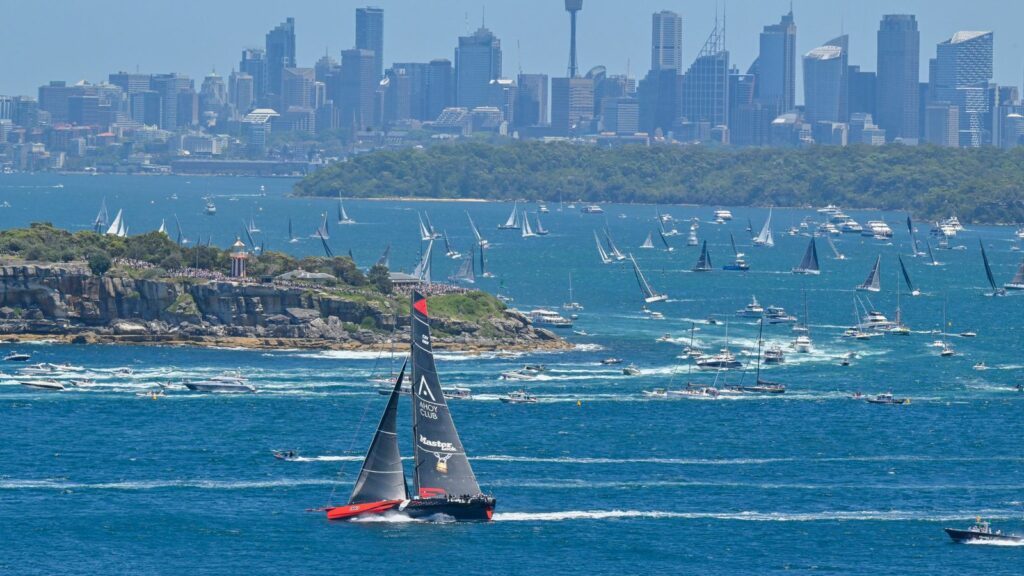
631, 370
518, 375
887, 398
221, 385
982, 532
611, 361
752, 310
980, 366
17, 357
592, 209
519, 397
48, 384
656, 393
664, 338
968, 334
287, 455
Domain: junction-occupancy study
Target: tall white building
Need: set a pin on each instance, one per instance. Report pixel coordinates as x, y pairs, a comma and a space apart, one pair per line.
667, 41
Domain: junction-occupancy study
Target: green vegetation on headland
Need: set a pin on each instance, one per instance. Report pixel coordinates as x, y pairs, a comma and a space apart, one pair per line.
981, 185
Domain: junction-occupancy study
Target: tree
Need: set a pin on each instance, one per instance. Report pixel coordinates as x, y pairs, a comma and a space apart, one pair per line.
380, 278
99, 263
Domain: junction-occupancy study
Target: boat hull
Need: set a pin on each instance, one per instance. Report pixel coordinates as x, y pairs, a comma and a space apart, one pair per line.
476, 509
972, 535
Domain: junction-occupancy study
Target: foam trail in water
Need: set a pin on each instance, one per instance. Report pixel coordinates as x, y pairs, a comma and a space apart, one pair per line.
746, 516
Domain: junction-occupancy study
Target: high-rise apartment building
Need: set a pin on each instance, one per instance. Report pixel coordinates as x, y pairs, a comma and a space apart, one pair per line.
370, 35
667, 41
826, 82
477, 62
899, 61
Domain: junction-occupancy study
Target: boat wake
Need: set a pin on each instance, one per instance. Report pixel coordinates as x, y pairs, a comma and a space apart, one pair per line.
160, 484
1007, 543
745, 516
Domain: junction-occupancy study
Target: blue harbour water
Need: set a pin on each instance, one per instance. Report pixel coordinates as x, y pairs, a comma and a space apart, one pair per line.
595, 478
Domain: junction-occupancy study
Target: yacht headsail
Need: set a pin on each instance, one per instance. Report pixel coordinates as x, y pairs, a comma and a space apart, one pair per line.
382, 476
873, 283
809, 264
649, 242
605, 259
704, 262
650, 296
765, 237
906, 278
996, 291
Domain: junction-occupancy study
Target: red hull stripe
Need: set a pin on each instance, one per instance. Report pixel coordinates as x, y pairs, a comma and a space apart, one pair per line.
345, 512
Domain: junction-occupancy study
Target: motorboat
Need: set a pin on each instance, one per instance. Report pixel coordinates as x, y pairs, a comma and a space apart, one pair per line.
777, 315
592, 209
611, 361
656, 393
723, 214
774, 355
875, 320
17, 357
724, 360
48, 384
519, 397
631, 370
549, 318
802, 344
887, 398
752, 310
221, 385
982, 532
980, 366
289, 455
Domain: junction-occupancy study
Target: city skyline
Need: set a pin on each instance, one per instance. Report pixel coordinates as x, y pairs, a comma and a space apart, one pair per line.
534, 40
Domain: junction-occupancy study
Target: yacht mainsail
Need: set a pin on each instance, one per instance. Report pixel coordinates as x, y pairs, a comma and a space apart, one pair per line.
649, 294
513, 219
996, 291
382, 476
913, 237
649, 242
704, 262
525, 229
180, 239
163, 227
102, 217
422, 270
118, 227
343, 217
906, 278
448, 250
835, 251
291, 234
873, 283
430, 226
605, 259
809, 264
765, 237
322, 232
441, 467
425, 234
476, 231
1018, 279
613, 250
465, 272
385, 258
541, 230
664, 240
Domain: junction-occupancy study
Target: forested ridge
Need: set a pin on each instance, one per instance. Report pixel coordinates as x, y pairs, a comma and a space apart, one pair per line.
979, 185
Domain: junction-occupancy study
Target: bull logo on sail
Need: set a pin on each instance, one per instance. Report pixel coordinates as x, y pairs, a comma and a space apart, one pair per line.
424, 390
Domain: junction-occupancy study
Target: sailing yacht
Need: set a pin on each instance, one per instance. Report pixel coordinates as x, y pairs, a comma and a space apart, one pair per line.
163, 227
480, 240
291, 235
525, 229
483, 264
513, 219
906, 278
425, 235
996, 291
118, 227
802, 343
650, 296
102, 218
541, 230
873, 282
434, 234
343, 217
649, 242
448, 250
605, 259
691, 239
465, 273
913, 239
835, 251
251, 226
765, 237
385, 258
764, 386
1018, 279
443, 480
572, 304
704, 262
322, 232
947, 349
809, 264
739, 263
613, 250
900, 329
423, 268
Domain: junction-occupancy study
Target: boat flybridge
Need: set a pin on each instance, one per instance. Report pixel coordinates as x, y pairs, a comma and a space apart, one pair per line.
443, 480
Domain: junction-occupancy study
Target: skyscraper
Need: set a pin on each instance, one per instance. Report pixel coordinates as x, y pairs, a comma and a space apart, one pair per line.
572, 103
962, 70
775, 67
706, 83
280, 55
370, 35
358, 88
174, 90
899, 47
826, 82
532, 100
667, 41
477, 62
254, 63
440, 87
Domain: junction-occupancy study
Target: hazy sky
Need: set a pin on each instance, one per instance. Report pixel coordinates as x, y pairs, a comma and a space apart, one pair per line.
46, 40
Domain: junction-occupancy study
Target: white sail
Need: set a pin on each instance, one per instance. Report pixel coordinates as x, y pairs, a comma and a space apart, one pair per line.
343, 217
163, 227
527, 232
650, 296
422, 270
480, 240
513, 218
649, 242
873, 283
835, 251
612, 248
600, 250
117, 226
765, 237
425, 234
1018, 279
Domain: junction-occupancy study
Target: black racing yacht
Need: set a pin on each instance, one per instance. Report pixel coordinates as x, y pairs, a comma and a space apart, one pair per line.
981, 532
445, 486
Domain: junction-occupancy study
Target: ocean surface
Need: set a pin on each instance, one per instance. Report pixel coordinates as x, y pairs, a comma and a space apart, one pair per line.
595, 478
